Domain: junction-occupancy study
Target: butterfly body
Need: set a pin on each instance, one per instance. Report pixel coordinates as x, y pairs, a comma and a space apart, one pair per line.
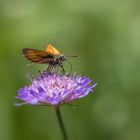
49, 56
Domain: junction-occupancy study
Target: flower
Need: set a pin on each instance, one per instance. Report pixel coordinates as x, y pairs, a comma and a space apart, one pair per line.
54, 89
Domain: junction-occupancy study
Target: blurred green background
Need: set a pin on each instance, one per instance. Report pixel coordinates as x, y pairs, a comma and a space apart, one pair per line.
106, 37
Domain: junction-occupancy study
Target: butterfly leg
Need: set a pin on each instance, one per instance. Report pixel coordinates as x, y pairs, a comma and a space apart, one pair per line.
39, 72
63, 70
29, 76
49, 68
57, 68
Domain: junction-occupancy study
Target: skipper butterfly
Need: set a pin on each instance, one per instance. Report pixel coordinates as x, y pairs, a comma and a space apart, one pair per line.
50, 56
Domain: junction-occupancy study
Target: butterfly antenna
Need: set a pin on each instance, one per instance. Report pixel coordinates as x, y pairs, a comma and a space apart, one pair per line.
71, 56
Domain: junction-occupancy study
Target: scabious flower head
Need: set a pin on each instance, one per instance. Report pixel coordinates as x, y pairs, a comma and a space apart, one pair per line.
54, 89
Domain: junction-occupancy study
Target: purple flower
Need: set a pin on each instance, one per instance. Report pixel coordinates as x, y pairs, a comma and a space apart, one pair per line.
54, 89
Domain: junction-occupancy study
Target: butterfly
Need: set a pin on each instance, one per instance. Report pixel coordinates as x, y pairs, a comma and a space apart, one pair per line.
50, 56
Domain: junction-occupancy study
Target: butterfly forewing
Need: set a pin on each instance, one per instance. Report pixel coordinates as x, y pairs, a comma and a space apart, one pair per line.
37, 56
51, 50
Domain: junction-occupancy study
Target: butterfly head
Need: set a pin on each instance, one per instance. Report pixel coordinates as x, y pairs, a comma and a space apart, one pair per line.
61, 57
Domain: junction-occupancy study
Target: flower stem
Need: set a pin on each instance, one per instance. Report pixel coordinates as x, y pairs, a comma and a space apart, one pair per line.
61, 124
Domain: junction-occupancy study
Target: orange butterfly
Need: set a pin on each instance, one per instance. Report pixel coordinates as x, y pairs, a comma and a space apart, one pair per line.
49, 56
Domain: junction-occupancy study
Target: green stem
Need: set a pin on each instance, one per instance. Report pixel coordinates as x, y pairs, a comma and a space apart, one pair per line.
61, 124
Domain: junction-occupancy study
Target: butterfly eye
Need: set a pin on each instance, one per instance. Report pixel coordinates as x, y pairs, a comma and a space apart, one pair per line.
62, 58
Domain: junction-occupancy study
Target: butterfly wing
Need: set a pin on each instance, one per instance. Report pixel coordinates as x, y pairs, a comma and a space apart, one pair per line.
37, 56
51, 50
